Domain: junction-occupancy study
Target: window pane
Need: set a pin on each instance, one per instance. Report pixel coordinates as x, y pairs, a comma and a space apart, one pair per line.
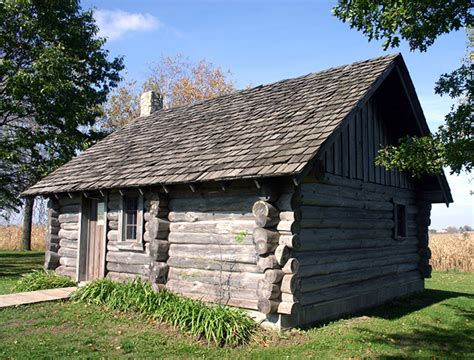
131, 216
100, 213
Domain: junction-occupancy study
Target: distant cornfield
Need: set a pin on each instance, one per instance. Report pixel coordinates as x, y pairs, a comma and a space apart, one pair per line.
452, 252
10, 237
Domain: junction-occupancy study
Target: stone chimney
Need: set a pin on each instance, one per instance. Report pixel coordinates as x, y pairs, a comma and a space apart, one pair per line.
150, 102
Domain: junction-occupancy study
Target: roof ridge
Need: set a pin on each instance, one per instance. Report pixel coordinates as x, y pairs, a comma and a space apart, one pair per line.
242, 91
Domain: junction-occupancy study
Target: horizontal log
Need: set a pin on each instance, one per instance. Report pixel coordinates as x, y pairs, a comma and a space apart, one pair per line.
216, 203
52, 247
289, 226
67, 252
213, 239
53, 222
158, 272
205, 289
153, 235
66, 271
124, 277
266, 215
308, 258
157, 225
282, 254
223, 278
324, 281
291, 241
51, 257
292, 266
68, 234
273, 275
308, 198
112, 235
242, 302
112, 216
289, 308
72, 209
158, 250
193, 216
52, 238
72, 244
238, 253
128, 257
342, 291
354, 184
70, 226
291, 297
214, 227
206, 264
267, 306
267, 290
342, 223
267, 262
321, 212
353, 244
348, 265
67, 261
68, 218
128, 268
290, 283
290, 215
113, 225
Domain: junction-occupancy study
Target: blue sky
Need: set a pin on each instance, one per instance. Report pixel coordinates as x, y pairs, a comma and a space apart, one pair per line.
266, 41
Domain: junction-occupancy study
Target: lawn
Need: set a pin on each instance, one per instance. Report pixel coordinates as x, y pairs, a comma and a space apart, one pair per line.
15, 263
438, 323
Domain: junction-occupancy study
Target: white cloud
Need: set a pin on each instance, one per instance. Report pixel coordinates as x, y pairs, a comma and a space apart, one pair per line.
114, 24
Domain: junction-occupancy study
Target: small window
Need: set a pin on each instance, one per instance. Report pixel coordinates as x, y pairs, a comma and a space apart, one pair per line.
400, 220
130, 220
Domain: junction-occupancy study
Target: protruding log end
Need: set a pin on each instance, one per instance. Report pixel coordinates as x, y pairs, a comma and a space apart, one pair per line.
274, 275
267, 262
282, 254
288, 308
290, 283
291, 266
265, 214
267, 306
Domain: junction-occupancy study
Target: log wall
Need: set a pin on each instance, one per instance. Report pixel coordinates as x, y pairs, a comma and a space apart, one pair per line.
213, 244
348, 257
63, 235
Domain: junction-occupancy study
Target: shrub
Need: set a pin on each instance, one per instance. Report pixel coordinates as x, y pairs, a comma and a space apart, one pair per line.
215, 323
41, 280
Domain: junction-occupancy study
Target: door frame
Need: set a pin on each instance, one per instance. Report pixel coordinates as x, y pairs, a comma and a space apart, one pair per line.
82, 252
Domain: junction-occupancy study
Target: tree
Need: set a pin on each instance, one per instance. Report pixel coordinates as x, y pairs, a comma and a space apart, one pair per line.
420, 23
178, 79
54, 75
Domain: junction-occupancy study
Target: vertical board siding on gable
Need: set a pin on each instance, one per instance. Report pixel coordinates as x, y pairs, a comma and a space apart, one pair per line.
353, 150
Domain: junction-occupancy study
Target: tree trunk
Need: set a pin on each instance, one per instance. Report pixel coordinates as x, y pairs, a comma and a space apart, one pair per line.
27, 222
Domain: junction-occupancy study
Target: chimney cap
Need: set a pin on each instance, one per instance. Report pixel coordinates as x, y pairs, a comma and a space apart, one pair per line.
150, 101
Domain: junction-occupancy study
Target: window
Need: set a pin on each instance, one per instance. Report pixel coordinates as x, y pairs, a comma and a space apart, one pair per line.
131, 221
400, 220
130, 212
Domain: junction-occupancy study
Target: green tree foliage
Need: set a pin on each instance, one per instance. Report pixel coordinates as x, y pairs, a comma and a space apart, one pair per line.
420, 23
54, 75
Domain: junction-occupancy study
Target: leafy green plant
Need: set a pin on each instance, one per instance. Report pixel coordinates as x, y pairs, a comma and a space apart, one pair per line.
240, 237
41, 280
216, 324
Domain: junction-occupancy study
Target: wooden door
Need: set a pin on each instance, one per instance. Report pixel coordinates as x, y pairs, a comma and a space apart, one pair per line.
94, 249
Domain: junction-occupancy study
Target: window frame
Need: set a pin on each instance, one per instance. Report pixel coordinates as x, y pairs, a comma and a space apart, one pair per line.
396, 233
122, 239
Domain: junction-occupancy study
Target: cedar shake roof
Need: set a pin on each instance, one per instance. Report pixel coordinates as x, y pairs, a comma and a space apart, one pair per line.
267, 131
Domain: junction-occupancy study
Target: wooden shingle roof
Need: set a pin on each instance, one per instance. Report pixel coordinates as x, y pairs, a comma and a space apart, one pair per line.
266, 131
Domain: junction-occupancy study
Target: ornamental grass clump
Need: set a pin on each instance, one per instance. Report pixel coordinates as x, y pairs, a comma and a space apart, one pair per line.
41, 280
216, 324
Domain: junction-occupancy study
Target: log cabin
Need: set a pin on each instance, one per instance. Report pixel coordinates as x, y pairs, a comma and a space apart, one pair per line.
267, 199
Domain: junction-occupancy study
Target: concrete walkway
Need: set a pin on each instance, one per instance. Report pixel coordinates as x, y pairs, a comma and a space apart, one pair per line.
31, 297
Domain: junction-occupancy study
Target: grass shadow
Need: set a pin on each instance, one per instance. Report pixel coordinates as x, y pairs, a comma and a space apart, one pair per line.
398, 308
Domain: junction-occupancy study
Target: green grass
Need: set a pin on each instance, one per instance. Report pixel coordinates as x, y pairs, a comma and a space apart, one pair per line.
217, 324
438, 323
40, 280
15, 263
